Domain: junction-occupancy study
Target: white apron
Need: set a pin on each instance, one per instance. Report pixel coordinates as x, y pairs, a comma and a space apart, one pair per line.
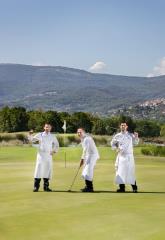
125, 165
90, 156
125, 169
47, 143
88, 169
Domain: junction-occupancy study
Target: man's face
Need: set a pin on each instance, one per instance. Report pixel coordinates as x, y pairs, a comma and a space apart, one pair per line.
31, 132
123, 127
80, 132
47, 128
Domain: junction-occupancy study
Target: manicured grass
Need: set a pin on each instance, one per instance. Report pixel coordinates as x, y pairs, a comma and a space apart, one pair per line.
61, 215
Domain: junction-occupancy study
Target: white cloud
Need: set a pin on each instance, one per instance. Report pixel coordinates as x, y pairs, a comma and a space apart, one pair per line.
158, 70
98, 67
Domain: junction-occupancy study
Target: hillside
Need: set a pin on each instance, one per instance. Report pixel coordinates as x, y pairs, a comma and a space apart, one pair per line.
67, 89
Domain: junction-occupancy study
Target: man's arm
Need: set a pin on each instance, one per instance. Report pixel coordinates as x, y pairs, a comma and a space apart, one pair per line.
85, 150
55, 145
35, 138
135, 138
114, 143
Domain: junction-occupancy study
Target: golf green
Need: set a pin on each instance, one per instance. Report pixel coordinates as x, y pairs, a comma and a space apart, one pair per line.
63, 215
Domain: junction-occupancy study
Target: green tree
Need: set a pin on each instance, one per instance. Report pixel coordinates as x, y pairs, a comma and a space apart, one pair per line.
54, 119
18, 119
36, 120
13, 119
147, 128
112, 125
81, 119
99, 127
5, 124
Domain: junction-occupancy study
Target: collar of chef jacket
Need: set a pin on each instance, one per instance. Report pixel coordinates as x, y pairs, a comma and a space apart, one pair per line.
45, 134
86, 135
124, 132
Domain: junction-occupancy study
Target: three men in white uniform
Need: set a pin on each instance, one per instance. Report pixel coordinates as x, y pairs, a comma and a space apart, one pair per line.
48, 145
125, 166
88, 159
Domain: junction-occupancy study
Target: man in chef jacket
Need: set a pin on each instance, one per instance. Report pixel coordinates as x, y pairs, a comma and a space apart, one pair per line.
88, 159
48, 145
125, 166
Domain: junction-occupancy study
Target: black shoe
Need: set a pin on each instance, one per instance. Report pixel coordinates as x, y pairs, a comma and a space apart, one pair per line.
120, 190
90, 190
134, 188
36, 184
87, 190
47, 190
83, 189
135, 191
35, 190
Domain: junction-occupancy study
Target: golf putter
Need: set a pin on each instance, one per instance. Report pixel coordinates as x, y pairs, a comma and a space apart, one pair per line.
74, 179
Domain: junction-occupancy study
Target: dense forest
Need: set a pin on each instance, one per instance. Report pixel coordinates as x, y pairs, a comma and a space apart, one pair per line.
17, 119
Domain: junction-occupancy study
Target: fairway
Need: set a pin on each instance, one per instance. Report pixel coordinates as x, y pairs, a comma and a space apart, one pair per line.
62, 215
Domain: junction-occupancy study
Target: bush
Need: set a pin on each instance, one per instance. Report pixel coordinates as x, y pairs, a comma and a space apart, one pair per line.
162, 131
154, 151
73, 139
12, 136
15, 142
21, 137
100, 140
7, 137
146, 151
61, 141
65, 141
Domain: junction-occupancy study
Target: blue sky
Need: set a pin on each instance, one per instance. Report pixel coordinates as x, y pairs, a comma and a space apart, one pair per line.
123, 37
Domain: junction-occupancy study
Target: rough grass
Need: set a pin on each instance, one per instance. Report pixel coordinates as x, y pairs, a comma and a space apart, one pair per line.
20, 138
61, 215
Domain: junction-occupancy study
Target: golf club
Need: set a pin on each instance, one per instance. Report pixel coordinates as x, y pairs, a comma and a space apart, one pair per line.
74, 179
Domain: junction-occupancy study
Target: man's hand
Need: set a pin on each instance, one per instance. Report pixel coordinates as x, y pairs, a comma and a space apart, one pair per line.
81, 162
52, 152
116, 167
117, 144
136, 134
30, 136
117, 150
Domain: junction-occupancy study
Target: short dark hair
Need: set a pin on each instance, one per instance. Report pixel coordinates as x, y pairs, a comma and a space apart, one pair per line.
81, 128
47, 123
124, 123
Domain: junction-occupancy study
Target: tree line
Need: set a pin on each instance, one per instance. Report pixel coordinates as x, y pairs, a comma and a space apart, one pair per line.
17, 119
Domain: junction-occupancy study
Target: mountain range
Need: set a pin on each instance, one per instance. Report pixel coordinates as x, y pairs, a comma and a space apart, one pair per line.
67, 89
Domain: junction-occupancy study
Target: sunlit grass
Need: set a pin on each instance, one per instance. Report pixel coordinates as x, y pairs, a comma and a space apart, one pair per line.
61, 215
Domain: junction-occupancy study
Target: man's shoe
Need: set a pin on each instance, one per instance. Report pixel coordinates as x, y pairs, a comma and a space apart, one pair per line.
90, 190
83, 189
35, 190
120, 190
87, 190
47, 190
135, 190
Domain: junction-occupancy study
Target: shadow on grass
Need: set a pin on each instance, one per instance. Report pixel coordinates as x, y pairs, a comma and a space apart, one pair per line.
104, 191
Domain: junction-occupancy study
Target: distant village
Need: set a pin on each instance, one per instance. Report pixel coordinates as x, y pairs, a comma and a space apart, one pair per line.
153, 109
153, 102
